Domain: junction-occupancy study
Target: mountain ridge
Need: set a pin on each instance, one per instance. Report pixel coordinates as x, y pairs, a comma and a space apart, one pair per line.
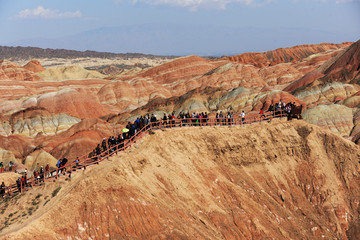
19, 52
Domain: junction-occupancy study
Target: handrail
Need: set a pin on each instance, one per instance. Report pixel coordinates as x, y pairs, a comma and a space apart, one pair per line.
85, 161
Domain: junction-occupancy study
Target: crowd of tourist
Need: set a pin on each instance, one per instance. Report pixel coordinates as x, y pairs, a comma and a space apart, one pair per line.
121, 141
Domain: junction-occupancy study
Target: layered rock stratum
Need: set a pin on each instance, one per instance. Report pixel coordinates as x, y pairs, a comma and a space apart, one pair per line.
284, 55
12, 71
56, 108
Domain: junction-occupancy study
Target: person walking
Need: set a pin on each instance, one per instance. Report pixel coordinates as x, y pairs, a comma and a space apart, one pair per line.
242, 115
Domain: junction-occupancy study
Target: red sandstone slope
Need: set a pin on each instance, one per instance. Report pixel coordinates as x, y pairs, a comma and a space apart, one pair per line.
181, 68
72, 102
345, 67
284, 55
182, 75
34, 66
281, 181
170, 79
12, 71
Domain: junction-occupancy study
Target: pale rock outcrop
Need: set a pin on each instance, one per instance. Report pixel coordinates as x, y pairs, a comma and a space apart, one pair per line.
6, 156
34, 121
352, 101
335, 117
39, 158
326, 93
9, 178
68, 73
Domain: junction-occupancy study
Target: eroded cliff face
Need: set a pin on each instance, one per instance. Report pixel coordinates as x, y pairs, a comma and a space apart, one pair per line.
63, 112
284, 180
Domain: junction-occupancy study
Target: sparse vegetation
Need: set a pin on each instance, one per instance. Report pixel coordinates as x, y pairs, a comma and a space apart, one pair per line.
46, 202
55, 192
35, 202
30, 210
5, 207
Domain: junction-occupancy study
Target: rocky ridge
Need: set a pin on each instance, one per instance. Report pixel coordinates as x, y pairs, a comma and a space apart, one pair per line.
244, 186
284, 55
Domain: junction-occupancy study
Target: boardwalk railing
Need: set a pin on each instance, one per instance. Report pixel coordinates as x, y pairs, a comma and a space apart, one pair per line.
86, 161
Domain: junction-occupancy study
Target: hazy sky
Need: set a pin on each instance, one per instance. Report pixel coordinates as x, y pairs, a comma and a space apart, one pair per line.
53, 23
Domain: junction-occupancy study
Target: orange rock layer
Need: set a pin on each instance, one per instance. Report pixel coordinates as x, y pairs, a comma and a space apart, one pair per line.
284, 55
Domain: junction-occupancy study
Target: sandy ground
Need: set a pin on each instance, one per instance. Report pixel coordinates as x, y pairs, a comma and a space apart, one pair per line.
9, 178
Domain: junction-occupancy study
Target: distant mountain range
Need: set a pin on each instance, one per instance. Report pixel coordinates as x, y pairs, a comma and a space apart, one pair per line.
184, 39
21, 53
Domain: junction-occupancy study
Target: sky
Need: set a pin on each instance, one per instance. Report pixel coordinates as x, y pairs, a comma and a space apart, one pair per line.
177, 27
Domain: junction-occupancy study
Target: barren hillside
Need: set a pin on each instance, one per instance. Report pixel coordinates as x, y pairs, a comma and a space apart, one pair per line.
66, 111
279, 180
